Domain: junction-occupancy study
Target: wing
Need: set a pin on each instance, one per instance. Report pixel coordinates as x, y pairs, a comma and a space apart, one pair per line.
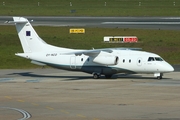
95, 52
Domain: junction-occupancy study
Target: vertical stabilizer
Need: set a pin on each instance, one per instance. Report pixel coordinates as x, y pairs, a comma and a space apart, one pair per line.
30, 40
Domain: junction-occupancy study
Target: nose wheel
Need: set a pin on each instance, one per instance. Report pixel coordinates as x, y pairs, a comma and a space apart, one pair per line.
158, 75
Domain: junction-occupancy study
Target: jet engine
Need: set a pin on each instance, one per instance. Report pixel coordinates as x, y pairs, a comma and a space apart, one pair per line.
106, 59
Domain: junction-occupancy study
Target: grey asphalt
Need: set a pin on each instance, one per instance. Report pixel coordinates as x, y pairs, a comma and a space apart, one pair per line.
64, 95
171, 23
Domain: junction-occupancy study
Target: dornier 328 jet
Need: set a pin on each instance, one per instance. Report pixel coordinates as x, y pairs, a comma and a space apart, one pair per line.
108, 61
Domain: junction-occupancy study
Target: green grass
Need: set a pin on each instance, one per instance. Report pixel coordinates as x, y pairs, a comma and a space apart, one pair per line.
90, 7
163, 42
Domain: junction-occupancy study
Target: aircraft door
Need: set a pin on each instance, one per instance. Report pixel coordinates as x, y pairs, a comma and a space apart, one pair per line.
73, 62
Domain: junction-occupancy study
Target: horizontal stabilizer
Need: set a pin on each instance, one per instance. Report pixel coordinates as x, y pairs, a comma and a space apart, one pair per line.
24, 55
18, 20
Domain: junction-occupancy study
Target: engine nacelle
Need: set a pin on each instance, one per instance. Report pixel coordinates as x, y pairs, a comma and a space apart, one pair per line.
106, 60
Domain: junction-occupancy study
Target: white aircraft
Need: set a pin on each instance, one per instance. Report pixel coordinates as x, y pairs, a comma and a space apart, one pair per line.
98, 62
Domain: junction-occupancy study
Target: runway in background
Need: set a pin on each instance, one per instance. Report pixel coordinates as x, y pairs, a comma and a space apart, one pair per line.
171, 23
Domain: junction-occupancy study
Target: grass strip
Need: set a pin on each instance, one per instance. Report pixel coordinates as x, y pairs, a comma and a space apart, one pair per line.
90, 8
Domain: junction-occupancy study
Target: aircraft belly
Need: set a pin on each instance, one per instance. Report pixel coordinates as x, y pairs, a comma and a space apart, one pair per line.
104, 70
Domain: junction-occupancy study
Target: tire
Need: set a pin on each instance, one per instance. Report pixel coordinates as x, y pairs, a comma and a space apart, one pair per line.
159, 77
95, 76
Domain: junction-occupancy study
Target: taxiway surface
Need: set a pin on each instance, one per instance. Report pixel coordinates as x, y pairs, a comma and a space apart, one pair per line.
51, 94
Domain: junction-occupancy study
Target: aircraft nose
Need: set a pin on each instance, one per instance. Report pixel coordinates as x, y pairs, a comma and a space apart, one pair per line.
169, 68
165, 67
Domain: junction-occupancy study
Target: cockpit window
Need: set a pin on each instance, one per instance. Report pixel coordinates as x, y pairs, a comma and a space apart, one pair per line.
158, 59
154, 59
151, 59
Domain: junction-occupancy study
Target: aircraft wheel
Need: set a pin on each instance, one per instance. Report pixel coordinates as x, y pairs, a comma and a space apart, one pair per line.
159, 77
95, 76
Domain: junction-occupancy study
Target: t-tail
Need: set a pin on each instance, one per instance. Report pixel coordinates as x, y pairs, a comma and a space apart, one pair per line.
30, 40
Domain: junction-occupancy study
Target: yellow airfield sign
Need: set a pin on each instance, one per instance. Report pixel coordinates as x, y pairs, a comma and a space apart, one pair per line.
77, 30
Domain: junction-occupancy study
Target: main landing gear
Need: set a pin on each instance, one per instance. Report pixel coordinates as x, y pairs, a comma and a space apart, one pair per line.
108, 76
97, 76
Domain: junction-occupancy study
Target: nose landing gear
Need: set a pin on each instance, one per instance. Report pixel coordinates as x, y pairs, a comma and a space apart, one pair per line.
158, 75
